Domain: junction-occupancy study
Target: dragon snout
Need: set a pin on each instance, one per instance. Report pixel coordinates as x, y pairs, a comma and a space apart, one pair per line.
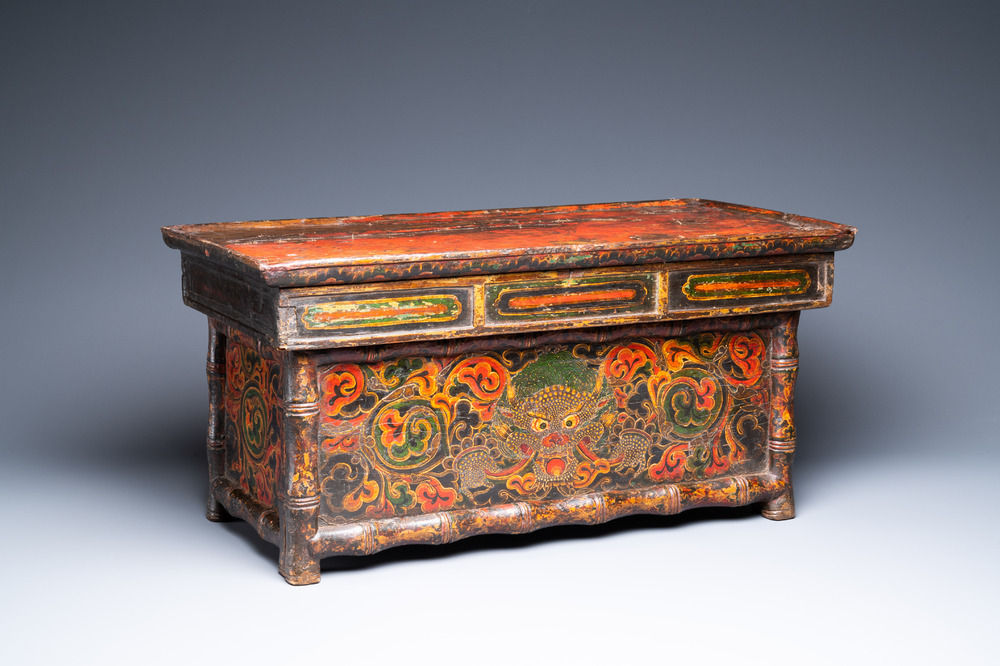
555, 439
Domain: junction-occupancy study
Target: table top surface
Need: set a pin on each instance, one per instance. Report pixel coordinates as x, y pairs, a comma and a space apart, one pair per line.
308, 252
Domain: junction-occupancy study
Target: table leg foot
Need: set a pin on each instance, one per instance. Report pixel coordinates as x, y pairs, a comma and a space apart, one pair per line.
301, 573
780, 508
215, 513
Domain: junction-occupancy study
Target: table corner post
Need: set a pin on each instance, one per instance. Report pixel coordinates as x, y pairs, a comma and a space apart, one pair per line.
215, 369
298, 495
781, 442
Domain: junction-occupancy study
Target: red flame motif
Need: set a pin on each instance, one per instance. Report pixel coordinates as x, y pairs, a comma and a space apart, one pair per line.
432, 496
484, 376
623, 362
342, 385
747, 351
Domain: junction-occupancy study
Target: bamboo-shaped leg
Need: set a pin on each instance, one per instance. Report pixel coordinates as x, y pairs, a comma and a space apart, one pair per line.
215, 368
781, 445
298, 493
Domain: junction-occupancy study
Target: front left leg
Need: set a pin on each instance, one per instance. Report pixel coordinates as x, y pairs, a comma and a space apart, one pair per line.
297, 563
299, 491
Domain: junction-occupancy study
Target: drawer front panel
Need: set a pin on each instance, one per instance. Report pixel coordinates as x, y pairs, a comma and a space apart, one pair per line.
571, 298
375, 312
708, 289
491, 304
750, 284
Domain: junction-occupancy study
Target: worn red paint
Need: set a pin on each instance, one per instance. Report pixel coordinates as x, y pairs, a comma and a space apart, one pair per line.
400, 238
318, 251
522, 302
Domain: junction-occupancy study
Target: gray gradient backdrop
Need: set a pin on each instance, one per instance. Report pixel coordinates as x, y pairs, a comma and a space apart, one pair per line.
121, 118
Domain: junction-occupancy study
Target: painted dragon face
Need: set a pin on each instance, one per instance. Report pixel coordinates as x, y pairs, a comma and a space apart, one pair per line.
555, 419
560, 412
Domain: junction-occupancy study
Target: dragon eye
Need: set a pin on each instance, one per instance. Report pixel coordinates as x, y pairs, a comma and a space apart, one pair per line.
538, 425
571, 421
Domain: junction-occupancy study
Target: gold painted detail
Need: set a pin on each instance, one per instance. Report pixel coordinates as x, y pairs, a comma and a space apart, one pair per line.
753, 284
382, 312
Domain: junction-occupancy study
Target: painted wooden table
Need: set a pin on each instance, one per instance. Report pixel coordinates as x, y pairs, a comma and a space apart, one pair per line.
378, 381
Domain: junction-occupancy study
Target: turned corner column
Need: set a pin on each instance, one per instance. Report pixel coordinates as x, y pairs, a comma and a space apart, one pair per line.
298, 492
781, 442
215, 368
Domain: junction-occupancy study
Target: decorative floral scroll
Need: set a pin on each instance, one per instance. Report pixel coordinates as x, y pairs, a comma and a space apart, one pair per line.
420, 434
253, 419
